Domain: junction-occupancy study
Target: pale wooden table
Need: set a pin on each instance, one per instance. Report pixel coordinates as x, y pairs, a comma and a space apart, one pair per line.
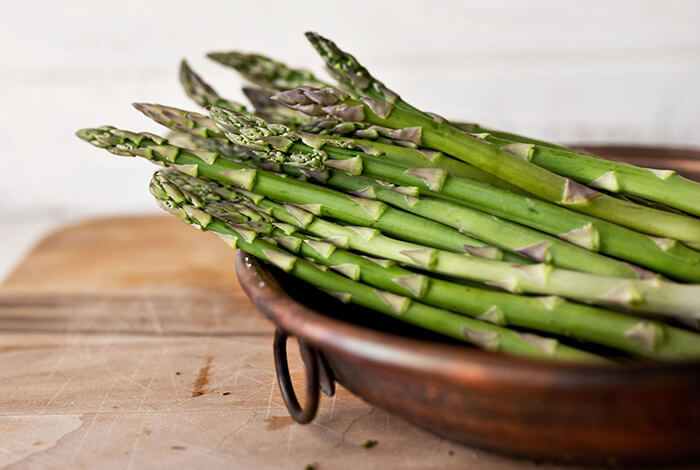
127, 343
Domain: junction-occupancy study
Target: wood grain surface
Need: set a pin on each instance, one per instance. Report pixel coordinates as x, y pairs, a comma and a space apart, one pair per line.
127, 343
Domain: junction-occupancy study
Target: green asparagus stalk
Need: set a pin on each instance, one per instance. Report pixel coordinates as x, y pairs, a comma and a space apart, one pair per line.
662, 255
549, 314
399, 151
271, 111
482, 334
662, 186
223, 147
199, 125
348, 71
265, 72
201, 92
474, 128
694, 246
512, 167
650, 295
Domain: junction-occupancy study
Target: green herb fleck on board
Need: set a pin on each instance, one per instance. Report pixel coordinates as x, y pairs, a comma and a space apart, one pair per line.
369, 443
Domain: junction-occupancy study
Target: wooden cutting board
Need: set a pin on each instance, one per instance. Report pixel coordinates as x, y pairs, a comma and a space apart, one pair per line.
127, 343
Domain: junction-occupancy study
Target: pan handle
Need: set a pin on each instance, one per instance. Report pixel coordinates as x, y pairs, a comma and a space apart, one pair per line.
317, 377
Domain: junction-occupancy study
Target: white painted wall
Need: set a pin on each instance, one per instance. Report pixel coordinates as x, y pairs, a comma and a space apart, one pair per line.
598, 71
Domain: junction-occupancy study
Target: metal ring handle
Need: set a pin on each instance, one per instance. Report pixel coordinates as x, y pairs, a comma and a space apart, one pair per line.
279, 348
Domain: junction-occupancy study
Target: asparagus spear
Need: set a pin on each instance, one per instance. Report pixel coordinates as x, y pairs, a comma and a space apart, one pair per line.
662, 186
512, 167
550, 314
201, 92
474, 128
265, 72
480, 333
651, 295
662, 255
271, 111
389, 143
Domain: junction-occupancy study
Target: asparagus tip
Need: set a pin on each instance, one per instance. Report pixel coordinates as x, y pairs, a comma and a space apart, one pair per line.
219, 56
84, 134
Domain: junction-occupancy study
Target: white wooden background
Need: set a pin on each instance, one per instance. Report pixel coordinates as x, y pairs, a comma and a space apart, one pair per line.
598, 71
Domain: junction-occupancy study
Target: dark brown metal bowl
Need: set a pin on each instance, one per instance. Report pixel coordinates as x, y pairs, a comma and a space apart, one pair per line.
639, 414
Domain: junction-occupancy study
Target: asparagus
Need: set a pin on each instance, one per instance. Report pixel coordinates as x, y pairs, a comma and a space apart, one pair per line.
474, 128
271, 111
662, 186
351, 209
265, 72
513, 237
274, 75
628, 180
666, 256
269, 74
549, 314
650, 295
201, 92
348, 71
400, 151
222, 147
694, 246
200, 125
666, 187
203, 126
197, 124
482, 334
383, 107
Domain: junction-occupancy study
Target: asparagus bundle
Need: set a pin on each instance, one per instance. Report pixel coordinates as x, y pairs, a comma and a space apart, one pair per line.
663, 186
481, 235
535, 245
549, 314
513, 166
651, 295
675, 261
251, 235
